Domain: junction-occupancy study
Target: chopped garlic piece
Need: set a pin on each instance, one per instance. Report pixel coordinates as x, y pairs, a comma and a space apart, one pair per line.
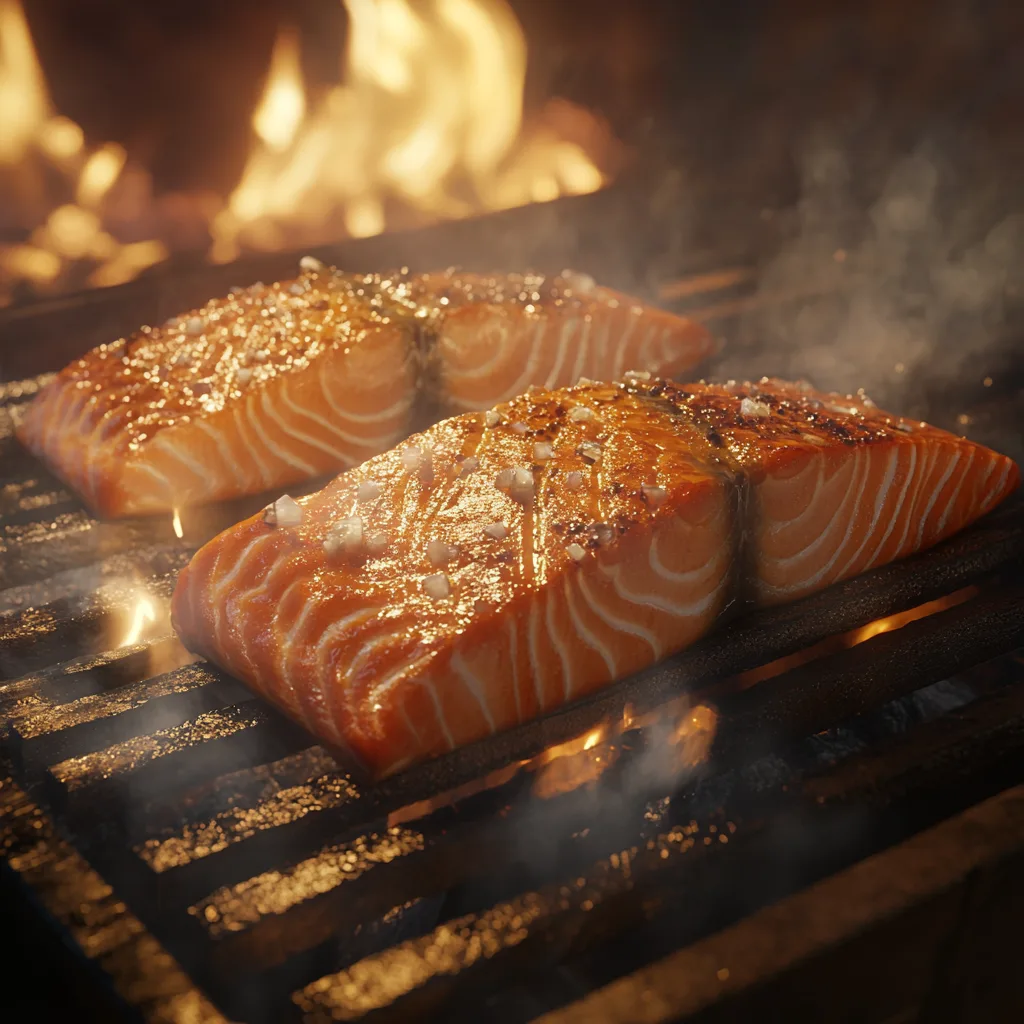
654, 495
752, 407
261, 355
604, 533
579, 282
437, 586
439, 553
411, 457
637, 375
585, 381
504, 478
542, 451
311, 263
470, 465
346, 535
368, 490
496, 531
492, 418
243, 376
581, 414
521, 488
590, 450
576, 552
519, 428
286, 511
195, 325
574, 480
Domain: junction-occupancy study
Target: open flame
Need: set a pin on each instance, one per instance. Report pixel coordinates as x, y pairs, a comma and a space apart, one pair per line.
143, 615
176, 525
425, 124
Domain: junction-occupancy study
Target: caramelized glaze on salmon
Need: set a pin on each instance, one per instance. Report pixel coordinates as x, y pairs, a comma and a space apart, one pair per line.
503, 564
276, 384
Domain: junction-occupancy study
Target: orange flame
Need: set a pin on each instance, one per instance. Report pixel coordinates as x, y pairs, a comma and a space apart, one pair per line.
143, 615
429, 114
34, 141
176, 525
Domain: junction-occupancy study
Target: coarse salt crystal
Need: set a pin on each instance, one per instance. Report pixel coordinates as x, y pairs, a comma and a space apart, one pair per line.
368, 490
576, 552
311, 263
590, 450
411, 457
437, 586
654, 495
504, 478
286, 511
574, 480
492, 418
496, 531
603, 533
519, 428
376, 544
752, 407
243, 375
344, 535
439, 553
297, 289
579, 282
580, 414
542, 451
195, 325
470, 465
522, 487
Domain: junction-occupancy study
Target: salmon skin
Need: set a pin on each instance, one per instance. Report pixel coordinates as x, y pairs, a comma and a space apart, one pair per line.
505, 563
276, 384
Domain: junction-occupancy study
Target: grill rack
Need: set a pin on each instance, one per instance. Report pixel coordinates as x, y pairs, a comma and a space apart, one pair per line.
192, 844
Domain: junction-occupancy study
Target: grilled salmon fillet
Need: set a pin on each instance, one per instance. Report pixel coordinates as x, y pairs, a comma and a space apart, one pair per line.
504, 563
281, 383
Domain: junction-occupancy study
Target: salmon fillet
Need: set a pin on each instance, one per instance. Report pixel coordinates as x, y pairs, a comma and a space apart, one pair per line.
503, 564
281, 383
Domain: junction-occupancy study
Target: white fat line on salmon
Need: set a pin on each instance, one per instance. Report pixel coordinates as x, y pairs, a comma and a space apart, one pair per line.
849, 525
898, 510
532, 637
617, 623
562, 347
669, 575
956, 493
937, 493
330, 686
991, 496
881, 496
216, 588
848, 482
622, 349
473, 684
350, 440
425, 683
167, 442
582, 348
242, 426
564, 655
815, 464
920, 486
163, 485
584, 633
529, 374
343, 411
94, 446
513, 645
287, 457
290, 428
287, 645
710, 568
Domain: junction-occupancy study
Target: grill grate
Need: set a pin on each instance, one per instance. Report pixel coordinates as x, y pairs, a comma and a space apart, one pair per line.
211, 860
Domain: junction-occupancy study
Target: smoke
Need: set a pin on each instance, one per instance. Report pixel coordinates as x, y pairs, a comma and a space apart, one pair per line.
893, 289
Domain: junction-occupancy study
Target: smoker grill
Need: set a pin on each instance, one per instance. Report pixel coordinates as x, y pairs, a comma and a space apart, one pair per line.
851, 849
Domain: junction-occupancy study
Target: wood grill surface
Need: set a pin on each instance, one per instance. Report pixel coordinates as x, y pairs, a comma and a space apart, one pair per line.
206, 860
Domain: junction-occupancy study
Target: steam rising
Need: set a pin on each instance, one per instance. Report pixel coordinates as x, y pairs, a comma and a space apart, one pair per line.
915, 284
